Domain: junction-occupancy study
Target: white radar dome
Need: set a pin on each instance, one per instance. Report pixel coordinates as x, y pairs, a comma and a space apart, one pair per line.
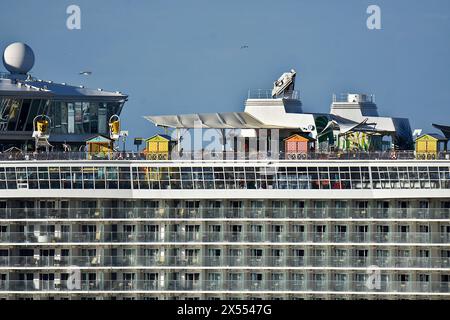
18, 58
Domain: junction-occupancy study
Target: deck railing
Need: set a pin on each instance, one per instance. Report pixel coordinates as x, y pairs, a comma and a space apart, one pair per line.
267, 94
224, 261
224, 213
224, 155
228, 285
228, 237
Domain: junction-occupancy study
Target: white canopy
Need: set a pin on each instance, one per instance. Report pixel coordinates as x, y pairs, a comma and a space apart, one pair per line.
227, 120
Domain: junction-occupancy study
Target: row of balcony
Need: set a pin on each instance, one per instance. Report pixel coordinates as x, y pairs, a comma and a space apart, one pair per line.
228, 285
225, 261
275, 237
221, 213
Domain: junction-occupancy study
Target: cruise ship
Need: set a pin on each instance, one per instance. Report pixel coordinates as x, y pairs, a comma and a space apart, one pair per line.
273, 202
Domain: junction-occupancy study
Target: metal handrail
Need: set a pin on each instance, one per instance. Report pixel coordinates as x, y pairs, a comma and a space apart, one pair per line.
229, 285
227, 236
307, 260
224, 212
267, 94
225, 155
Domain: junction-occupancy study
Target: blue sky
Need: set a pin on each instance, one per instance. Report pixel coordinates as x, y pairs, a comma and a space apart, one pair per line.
181, 56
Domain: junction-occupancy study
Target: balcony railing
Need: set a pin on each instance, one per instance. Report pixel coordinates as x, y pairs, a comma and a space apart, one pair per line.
224, 213
224, 261
228, 285
210, 237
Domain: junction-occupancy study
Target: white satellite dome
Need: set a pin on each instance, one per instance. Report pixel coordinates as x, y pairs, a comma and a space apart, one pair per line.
18, 58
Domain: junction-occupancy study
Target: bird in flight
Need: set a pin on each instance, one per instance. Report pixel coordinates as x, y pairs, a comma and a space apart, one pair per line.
244, 47
86, 73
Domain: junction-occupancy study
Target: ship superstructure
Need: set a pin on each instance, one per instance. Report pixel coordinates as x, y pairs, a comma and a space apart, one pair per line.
77, 113
290, 205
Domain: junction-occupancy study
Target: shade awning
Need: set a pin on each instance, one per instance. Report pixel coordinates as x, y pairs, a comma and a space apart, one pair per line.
227, 120
365, 125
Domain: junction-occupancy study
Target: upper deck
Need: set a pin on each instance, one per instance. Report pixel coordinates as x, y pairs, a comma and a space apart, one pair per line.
130, 175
